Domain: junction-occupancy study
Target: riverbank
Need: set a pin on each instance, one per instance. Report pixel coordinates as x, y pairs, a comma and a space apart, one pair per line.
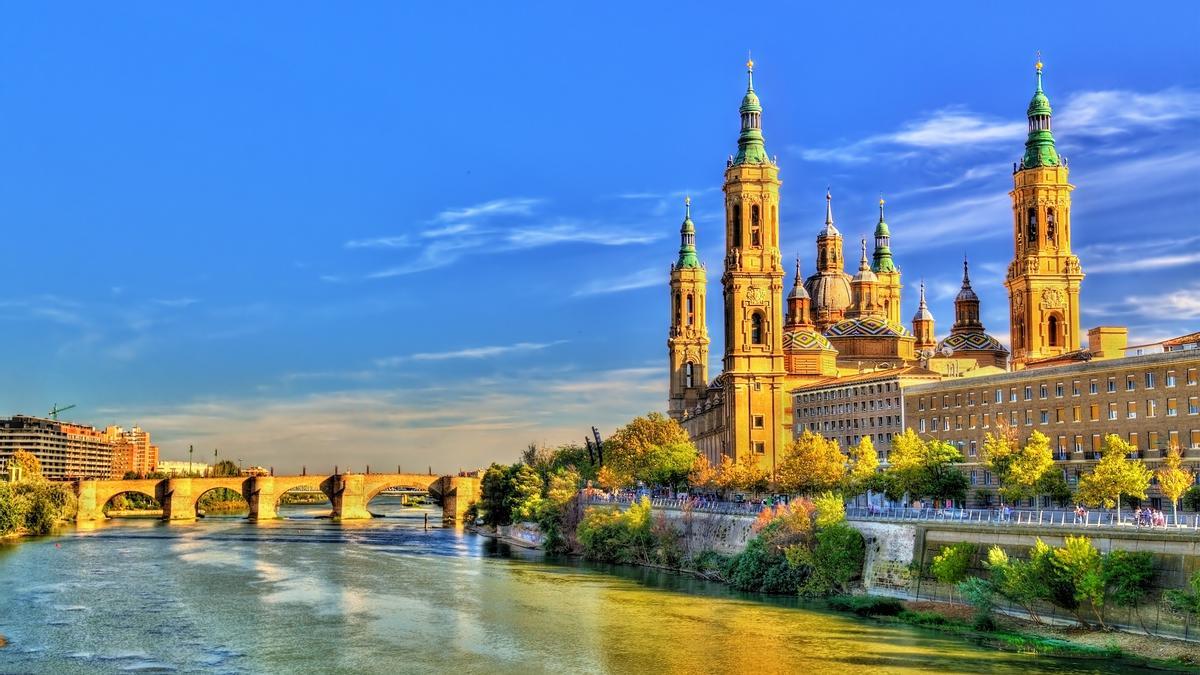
1021, 635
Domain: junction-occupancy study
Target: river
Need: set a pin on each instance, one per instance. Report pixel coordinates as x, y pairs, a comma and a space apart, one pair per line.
308, 595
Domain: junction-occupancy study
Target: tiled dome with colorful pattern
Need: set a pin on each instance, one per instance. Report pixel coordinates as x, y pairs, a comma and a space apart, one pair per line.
805, 338
867, 326
972, 341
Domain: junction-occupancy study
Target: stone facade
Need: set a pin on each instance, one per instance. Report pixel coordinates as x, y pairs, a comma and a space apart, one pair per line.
1151, 401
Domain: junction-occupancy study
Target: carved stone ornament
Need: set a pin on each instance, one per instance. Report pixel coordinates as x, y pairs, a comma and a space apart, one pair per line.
756, 295
1052, 298
1018, 303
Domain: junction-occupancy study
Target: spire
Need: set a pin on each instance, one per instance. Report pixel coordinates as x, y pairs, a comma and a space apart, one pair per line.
966, 305
862, 264
1039, 146
687, 238
882, 260
923, 313
830, 230
798, 290
750, 142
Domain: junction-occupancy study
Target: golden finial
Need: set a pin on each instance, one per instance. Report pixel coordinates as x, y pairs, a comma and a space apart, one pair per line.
1038, 65
687, 200
749, 62
881, 199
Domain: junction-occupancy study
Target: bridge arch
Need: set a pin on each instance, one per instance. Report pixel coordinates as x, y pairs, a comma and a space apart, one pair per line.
111, 503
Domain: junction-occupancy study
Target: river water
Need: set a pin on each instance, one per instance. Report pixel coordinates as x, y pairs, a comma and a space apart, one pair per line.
308, 595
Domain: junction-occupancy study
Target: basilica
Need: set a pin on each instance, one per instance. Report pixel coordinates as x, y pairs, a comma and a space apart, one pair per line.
838, 324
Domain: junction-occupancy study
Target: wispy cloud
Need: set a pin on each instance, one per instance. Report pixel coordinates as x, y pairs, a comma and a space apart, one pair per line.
948, 128
489, 228
653, 276
468, 353
521, 206
971, 175
1137, 256
1106, 113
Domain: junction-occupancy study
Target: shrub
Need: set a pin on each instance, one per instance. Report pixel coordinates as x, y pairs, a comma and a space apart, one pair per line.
981, 594
950, 566
866, 605
836, 560
923, 618
612, 535
1127, 579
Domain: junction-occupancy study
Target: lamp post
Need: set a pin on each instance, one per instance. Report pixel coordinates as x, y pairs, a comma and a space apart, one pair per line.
190, 451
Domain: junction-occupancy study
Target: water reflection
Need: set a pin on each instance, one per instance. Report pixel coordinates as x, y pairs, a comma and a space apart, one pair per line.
306, 594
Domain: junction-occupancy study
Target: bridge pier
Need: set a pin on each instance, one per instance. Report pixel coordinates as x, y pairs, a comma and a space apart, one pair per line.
350, 497
458, 493
178, 501
88, 509
262, 498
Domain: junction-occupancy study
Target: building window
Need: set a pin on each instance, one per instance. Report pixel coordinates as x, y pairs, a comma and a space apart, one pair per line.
1195, 440
1043, 391
1193, 405
1092, 388
973, 448
755, 229
1171, 407
1078, 443
1129, 383
1170, 378
1149, 380
1075, 413
1112, 411
921, 425
1152, 440
987, 420
1131, 409
1031, 221
1052, 331
1058, 415
1133, 442
1028, 418
1094, 412
1075, 388
756, 328
760, 448
1173, 439
1191, 376
1045, 417
691, 310
974, 477
1151, 408
687, 374
999, 396
1058, 390
758, 421
1028, 392
1012, 395
1112, 385
737, 228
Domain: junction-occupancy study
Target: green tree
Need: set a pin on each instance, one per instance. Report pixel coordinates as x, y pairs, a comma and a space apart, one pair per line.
1191, 498
615, 535
633, 449
1186, 601
951, 565
811, 464
1077, 565
1114, 475
924, 468
830, 509
1017, 580
1173, 478
493, 498
225, 468
863, 471
1017, 468
1128, 578
837, 559
524, 492
1053, 485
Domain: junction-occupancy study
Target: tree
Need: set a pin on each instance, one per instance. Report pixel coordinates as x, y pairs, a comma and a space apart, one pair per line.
702, 475
951, 565
653, 449
811, 464
1186, 601
225, 467
1173, 479
924, 468
668, 464
1128, 577
1114, 476
1077, 565
1017, 468
863, 470
1191, 498
1053, 485
830, 509
31, 466
524, 492
493, 496
742, 474
1017, 580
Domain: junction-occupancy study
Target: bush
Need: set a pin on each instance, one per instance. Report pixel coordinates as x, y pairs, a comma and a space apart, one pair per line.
836, 560
1191, 498
866, 605
612, 535
34, 507
923, 618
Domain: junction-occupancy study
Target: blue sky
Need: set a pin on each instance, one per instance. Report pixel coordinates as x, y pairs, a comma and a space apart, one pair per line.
391, 233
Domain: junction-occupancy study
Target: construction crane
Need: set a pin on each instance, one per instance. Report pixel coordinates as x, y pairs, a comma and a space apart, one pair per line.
55, 410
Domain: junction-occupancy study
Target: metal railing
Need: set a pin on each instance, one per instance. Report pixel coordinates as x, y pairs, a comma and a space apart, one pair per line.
1035, 518
1050, 518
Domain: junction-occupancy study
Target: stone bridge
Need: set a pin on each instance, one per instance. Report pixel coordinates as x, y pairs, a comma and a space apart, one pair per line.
348, 492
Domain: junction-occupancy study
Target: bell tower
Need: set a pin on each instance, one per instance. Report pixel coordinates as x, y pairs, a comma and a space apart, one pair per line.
753, 288
687, 340
885, 269
1043, 278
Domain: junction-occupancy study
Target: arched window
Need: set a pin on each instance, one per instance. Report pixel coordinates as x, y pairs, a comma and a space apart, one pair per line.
691, 310
756, 328
1052, 330
688, 374
678, 309
1019, 334
737, 225
1033, 227
755, 227
1050, 225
